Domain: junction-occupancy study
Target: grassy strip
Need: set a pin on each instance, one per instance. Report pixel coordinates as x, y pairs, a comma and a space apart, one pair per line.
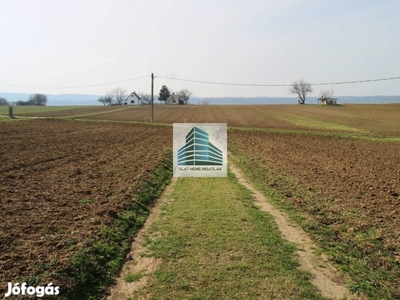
93, 267
126, 122
92, 114
376, 138
19, 110
215, 244
351, 251
317, 124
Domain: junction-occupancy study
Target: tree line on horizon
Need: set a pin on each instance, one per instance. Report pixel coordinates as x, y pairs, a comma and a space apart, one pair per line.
35, 99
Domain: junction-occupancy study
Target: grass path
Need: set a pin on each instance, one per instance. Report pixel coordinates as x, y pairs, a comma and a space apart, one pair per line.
324, 276
212, 242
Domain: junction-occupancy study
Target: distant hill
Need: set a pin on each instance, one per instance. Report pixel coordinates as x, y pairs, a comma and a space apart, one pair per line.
82, 99
57, 100
293, 100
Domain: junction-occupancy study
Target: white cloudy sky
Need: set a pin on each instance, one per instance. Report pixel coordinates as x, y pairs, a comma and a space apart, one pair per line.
47, 43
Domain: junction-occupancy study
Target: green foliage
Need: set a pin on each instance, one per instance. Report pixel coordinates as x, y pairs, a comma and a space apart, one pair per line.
164, 93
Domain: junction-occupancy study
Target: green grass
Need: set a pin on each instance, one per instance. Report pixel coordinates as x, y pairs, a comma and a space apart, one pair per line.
94, 113
86, 201
93, 267
132, 277
20, 110
369, 137
350, 252
317, 124
215, 244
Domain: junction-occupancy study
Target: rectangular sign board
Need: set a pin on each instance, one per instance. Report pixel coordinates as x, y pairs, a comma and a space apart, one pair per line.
200, 149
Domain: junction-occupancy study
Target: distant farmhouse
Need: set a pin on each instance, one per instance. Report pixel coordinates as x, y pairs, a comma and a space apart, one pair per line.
132, 99
174, 100
327, 101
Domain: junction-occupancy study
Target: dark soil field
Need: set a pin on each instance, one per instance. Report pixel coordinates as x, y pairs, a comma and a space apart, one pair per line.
64, 183
56, 111
346, 190
354, 119
61, 181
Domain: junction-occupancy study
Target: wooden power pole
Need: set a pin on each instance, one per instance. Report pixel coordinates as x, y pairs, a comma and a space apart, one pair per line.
152, 98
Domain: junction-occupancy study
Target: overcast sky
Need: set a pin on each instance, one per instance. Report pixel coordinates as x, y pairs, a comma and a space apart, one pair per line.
73, 43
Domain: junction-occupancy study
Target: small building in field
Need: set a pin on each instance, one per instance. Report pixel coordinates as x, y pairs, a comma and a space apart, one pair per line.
132, 99
174, 100
327, 101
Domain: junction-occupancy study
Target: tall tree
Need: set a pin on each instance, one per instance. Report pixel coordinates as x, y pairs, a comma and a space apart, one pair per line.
301, 88
164, 93
38, 99
184, 94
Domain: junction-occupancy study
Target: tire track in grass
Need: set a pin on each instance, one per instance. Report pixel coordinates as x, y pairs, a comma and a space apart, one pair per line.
213, 243
325, 276
138, 266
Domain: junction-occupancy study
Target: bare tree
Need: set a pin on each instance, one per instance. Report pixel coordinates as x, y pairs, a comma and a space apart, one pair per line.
184, 94
146, 98
3, 101
302, 89
102, 100
117, 95
205, 102
106, 100
326, 94
37, 99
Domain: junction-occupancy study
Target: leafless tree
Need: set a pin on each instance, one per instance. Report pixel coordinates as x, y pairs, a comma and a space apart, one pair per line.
205, 102
184, 94
3, 101
301, 88
38, 99
117, 95
106, 100
146, 98
326, 94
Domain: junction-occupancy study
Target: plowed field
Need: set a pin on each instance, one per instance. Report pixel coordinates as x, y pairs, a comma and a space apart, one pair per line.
352, 119
60, 181
347, 190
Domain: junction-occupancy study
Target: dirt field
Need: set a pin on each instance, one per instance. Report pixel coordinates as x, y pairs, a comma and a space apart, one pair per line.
62, 180
347, 189
63, 111
353, 119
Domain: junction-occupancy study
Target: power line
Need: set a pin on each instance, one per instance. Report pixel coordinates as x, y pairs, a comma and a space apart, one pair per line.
203, 82
277, 85
76, 86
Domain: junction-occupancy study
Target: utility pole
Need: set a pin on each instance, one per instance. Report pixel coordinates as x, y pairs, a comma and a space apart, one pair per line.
152, 98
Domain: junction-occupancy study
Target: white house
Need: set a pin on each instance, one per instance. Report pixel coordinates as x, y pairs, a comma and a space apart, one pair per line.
327, 101
174, 100
132, 99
